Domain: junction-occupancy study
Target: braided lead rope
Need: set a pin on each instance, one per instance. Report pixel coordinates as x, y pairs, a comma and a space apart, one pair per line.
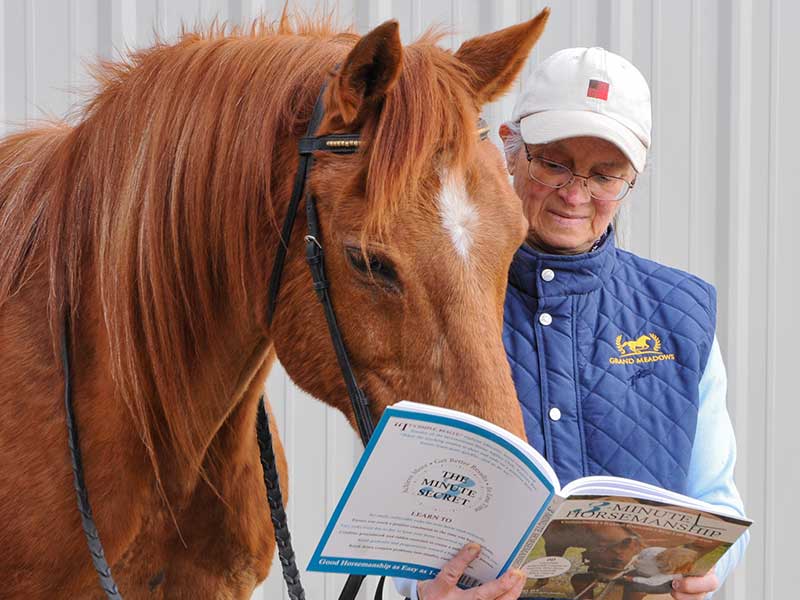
283, 538
87, 518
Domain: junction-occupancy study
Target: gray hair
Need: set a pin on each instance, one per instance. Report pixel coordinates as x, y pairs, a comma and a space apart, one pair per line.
513, 142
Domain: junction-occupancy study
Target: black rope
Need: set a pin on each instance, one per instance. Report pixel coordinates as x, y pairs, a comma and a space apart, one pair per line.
351, 587
87, 518
283, 539
379, 589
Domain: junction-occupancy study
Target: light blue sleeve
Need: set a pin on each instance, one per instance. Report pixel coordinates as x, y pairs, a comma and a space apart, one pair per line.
713, 458
405, 587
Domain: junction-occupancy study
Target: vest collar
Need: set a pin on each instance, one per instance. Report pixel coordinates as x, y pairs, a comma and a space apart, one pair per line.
572, 274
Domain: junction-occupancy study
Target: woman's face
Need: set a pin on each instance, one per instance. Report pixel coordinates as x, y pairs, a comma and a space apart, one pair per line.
568, 220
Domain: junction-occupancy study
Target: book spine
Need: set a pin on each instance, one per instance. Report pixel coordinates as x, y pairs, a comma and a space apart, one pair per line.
537, 532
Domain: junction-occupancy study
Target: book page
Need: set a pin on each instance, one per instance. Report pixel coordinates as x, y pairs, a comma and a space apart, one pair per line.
595, 546
426, 485
599, 485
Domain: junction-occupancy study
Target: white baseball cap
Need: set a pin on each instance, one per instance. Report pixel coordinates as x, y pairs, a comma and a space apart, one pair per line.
587, 92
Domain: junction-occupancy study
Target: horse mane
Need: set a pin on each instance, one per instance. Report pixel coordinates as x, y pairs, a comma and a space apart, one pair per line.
152, 205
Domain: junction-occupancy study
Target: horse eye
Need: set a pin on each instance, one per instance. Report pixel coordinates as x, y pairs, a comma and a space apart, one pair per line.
377, 268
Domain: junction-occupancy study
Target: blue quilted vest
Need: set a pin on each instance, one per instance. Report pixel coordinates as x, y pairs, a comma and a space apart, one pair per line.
607, 350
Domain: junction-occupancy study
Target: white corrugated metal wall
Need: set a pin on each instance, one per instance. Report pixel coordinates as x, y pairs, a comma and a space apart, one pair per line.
718, 199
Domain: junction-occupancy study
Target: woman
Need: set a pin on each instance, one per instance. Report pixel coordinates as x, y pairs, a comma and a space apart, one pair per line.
614, 357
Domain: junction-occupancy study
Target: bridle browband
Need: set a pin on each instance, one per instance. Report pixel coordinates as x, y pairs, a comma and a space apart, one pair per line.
338, 143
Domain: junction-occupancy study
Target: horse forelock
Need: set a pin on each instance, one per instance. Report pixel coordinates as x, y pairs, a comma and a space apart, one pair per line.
156, 194
427, 126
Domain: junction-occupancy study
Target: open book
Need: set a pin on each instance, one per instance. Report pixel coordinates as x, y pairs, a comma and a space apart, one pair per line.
433, 479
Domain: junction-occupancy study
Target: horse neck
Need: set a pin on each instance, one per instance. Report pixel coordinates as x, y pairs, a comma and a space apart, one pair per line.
178, 429
184, 346
165, 226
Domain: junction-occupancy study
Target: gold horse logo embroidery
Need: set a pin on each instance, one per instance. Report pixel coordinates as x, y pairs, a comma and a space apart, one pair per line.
640, 345
644, 349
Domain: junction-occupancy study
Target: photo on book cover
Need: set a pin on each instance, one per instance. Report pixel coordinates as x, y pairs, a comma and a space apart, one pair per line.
606, 547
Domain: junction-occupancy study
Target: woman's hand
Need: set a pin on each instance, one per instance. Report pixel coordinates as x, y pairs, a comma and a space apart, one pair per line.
507, 587
695, 588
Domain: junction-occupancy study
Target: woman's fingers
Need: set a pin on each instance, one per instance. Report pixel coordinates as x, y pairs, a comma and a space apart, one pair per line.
694, 588
448, 577
444, 586
516, 591
507, 587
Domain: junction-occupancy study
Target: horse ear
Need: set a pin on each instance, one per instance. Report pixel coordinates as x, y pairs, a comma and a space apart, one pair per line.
368, 73
497, 58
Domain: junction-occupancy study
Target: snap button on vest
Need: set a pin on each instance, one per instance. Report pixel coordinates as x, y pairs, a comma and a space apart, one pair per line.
545, 319
548, 275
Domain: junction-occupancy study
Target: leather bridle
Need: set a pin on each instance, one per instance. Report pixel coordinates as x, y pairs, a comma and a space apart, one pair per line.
339, 143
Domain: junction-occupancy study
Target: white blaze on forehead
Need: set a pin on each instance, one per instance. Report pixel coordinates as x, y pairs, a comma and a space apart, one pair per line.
459, 215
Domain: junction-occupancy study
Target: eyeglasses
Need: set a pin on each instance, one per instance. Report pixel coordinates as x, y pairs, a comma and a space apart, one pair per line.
555, 175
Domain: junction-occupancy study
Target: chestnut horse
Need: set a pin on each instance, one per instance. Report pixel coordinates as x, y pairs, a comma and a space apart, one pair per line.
153, 222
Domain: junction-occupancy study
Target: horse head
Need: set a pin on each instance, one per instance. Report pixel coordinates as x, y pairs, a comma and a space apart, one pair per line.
420, 227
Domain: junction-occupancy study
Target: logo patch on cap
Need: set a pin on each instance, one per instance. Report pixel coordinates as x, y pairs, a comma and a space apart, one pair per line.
597, 89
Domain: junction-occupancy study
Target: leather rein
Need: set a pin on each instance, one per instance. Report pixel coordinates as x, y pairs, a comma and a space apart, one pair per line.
340, 143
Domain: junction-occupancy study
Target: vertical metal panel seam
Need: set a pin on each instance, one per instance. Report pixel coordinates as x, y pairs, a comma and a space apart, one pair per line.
30, 60
384, 12
3, 75
574, 25
416, 18
655, 72
358, 16
456, 24
71, 51
738, 238
741, 125
694, 137
621, 34
525, 10
161, 17
496, 16
288, 398
451, 9
330, 470
772, 296
233, 9
291, 456
620, 39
